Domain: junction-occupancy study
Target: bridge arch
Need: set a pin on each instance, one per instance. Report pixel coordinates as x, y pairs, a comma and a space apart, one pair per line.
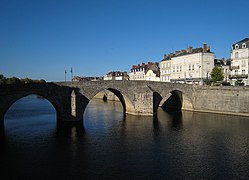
14, 98
124, 99
173, 99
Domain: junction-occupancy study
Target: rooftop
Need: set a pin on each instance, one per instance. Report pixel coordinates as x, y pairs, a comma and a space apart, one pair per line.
189, 50
242, 41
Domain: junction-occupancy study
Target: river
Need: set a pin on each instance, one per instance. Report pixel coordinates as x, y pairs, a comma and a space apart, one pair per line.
111, 145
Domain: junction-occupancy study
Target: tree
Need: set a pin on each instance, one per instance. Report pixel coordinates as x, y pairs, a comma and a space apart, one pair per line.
217, 74
13, 80
239, 82
2, 79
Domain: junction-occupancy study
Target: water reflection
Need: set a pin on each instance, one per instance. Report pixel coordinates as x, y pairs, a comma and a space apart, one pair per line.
2, 134
109, 145
70, 129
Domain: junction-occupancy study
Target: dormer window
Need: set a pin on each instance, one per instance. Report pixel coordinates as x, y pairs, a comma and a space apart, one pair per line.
244, 45
236, 46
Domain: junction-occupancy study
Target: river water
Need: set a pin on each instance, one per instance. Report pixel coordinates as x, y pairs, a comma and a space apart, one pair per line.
110, 145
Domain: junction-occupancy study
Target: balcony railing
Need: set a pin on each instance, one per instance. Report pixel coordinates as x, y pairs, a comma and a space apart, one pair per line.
238, 76
234, 67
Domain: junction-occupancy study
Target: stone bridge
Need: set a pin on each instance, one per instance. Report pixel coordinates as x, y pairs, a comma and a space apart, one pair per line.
137, 97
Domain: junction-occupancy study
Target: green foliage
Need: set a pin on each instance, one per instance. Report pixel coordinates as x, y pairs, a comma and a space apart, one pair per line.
15, 80
239, 82
2, 79
207, 82
217, 74
26, 81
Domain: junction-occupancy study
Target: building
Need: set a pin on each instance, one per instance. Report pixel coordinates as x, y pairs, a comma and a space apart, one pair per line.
81, 78
239, 62
116, 75
165, 69
188, 66
153, 72
148, 72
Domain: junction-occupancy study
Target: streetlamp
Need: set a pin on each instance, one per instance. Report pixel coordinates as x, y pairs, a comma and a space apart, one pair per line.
71, 74
201, 81
65, 75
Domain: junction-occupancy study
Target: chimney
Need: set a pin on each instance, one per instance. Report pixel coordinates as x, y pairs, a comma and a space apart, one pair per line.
133, 66
165, 56
171, 55
156, 64
177, 53
223, 61
150, 64
205, 48
143, 65
138, 65
189, 49
183, 51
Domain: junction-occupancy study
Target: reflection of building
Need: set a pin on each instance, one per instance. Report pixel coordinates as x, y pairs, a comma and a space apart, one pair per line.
190, 65
239, 61
149, 72
117, 75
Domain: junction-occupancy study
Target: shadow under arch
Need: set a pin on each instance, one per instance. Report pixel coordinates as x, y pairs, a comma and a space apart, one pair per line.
128, 106
172, 101
15, 98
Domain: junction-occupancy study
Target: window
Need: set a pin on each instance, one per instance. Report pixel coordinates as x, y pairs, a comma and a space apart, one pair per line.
243, 72
193, 67
180, 68
236, 72
189, 67
168, 64
236, 54
236, 46
243, 64
244, 45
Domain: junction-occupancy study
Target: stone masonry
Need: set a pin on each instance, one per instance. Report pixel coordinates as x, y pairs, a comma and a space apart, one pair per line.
137, 97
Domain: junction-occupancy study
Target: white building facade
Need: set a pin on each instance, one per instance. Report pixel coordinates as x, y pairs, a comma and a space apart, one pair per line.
151, 76
148, 72
137, 73
239, 62
117, 75
165, 69
189, 66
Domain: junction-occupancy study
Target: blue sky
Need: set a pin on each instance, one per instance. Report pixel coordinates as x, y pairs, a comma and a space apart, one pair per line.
40, 39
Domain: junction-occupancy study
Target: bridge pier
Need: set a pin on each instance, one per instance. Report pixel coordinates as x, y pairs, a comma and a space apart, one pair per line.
73, 108
68, 118
143, 103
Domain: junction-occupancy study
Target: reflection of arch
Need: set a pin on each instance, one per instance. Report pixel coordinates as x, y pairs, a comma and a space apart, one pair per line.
17, 97
173, 100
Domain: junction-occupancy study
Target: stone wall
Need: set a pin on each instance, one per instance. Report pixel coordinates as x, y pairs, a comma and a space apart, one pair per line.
222, 100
